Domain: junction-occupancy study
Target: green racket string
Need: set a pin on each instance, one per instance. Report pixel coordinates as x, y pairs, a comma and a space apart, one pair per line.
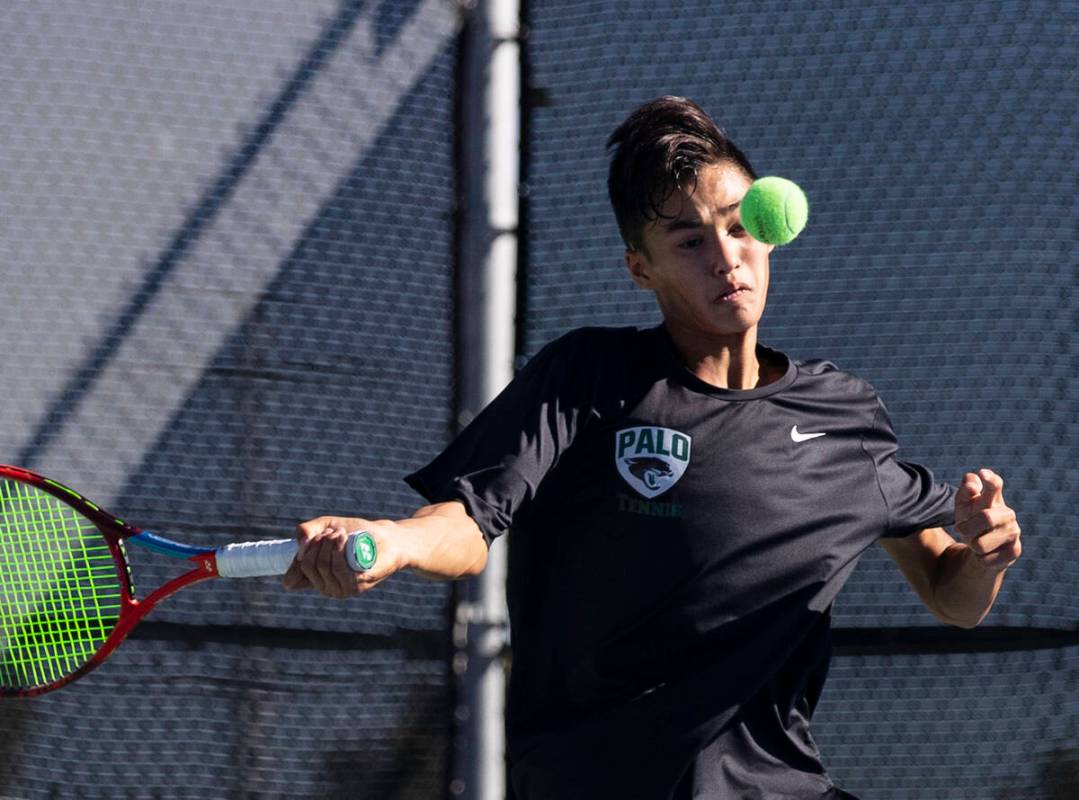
59, 595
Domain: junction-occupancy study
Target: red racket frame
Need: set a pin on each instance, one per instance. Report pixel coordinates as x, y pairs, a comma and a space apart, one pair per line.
115, 530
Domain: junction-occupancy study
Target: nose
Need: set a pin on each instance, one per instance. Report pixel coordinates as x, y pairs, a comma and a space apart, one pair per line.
728, 254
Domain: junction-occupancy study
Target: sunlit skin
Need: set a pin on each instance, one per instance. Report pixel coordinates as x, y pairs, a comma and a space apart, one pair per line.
690, 256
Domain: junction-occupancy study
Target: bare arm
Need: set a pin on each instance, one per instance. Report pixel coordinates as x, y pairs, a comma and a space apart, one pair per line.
445, 542
966, 590
917, 557
959, 581
439, 541
969, 575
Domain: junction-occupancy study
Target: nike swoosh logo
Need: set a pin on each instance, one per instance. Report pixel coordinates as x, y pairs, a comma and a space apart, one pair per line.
802, 437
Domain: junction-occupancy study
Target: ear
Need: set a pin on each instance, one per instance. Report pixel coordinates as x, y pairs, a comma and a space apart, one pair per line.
638, 267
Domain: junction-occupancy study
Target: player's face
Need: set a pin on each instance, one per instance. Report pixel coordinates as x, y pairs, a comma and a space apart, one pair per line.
697, 251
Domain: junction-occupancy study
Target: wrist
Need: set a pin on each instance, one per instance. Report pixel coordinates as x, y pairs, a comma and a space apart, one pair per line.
404, 543
964, 589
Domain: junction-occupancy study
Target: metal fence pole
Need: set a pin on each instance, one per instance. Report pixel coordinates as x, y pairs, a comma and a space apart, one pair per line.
490, 165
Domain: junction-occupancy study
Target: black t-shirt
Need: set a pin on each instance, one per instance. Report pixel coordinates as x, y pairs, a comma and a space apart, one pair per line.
665, 529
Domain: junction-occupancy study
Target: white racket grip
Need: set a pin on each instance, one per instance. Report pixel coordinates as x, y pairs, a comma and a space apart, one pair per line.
252, 559
274, 557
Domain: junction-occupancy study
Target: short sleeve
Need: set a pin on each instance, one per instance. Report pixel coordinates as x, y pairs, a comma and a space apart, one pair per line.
495, 465
914, 498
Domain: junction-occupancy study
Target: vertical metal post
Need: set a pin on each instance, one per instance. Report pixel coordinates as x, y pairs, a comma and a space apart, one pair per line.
490, 167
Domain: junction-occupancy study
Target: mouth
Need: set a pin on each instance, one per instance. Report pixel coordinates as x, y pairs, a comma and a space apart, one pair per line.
733, 293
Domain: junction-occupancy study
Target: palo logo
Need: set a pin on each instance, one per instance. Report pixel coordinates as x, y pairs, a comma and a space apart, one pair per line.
651, 459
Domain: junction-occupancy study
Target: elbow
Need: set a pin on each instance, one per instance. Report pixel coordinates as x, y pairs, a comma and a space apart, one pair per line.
479, 563
958, 623
964, 625
476, 558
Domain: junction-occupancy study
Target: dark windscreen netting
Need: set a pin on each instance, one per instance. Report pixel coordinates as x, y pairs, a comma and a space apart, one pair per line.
226, 246
936, 144
169, 719
993, 725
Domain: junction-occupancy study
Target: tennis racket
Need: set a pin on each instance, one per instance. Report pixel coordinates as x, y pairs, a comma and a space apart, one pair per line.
67, 599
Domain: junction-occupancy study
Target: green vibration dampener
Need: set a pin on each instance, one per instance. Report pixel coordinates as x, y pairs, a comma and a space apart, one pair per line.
363, 554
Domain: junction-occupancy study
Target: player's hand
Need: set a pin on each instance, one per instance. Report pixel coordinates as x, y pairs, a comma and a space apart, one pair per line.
320, 562
985, 522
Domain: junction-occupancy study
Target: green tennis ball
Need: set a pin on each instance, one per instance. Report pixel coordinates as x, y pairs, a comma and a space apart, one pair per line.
774, 210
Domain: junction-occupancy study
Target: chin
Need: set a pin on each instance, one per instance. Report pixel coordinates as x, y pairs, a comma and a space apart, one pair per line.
733, 324
728, 330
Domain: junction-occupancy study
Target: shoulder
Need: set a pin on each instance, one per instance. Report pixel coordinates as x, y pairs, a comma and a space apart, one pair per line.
827, 373
595, 366
826, 382
592, 347
593, 337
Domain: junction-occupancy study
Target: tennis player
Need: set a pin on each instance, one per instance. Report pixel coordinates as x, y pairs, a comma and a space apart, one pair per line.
685, 505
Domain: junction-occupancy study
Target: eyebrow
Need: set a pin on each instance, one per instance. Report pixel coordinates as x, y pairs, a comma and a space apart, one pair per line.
680, 224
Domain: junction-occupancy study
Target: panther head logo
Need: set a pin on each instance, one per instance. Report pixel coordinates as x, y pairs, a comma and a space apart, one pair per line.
649, 469
651, 459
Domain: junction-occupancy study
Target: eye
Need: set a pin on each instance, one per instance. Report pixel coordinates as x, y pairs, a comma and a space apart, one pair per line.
737, 230
690, 244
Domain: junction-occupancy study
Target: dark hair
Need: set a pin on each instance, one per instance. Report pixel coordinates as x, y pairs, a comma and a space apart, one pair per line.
658, 149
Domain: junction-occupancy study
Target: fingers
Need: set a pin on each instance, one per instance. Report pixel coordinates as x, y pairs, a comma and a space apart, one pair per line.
1003, 557
990, 530
980, 490
992, 488
294, 580
969, 489
339, 568
985, 522
320, 562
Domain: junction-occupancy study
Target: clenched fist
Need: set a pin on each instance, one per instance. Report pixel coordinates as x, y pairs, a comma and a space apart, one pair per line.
985, 523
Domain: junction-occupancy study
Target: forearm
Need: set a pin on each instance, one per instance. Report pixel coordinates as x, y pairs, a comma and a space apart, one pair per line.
963, 589
442, 541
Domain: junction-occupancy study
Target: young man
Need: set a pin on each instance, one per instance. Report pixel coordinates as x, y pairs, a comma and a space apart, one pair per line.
685, 504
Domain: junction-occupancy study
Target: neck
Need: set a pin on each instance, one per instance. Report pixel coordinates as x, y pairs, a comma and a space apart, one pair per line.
726, 362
